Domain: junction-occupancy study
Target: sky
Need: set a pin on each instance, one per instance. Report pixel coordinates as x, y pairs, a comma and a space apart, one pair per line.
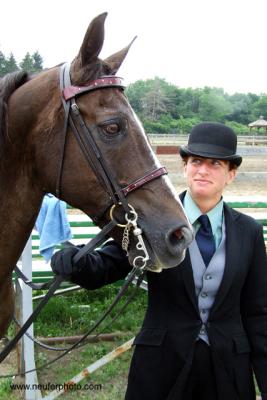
190, 43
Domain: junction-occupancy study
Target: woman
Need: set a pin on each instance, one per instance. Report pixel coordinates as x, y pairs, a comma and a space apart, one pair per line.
205, 329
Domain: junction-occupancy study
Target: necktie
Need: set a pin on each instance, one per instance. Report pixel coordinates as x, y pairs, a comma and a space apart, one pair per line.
205, 239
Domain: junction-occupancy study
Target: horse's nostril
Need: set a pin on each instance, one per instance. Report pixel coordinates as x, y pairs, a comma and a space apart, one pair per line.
178, 234
174, 237
177, 239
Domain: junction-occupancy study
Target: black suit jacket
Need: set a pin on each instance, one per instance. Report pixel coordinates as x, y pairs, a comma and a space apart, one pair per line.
237, 324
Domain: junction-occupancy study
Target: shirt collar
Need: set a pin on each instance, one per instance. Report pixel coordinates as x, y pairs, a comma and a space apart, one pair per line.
193, 212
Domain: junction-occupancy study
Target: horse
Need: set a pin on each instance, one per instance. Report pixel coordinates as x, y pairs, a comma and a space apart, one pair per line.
33, 151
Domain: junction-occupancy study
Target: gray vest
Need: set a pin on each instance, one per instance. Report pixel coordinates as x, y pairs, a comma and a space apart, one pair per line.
207, 279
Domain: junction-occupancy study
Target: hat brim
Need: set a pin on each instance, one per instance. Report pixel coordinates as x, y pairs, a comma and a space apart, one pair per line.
185, 152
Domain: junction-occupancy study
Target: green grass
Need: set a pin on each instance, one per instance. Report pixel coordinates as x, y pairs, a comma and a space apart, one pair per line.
112, 377
64, 316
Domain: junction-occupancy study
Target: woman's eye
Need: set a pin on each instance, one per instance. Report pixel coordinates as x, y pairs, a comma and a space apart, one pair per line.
216, 162
111, 129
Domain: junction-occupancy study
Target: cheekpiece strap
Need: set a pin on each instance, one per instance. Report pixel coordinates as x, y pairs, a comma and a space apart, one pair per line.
156, 173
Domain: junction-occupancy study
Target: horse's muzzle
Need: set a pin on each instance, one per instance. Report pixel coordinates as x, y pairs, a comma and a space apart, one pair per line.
168, 250
178, 239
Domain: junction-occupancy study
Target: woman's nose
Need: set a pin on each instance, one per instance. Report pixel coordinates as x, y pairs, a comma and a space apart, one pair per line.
203, 169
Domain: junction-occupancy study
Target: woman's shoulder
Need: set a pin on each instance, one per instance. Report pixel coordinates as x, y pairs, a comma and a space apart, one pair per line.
242, 218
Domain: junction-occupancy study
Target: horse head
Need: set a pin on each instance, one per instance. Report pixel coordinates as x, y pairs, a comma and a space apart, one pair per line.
52, 158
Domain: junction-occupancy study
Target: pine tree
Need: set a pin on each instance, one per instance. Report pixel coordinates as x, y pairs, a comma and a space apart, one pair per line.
11, 63
3, 61
37, 62
27, 63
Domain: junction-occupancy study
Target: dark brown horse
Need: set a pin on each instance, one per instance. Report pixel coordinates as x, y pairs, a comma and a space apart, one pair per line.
31, 140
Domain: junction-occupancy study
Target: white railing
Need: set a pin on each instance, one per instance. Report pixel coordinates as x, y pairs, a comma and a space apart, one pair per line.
171, 138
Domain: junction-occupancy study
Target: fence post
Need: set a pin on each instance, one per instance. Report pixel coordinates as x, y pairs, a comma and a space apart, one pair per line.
27, 361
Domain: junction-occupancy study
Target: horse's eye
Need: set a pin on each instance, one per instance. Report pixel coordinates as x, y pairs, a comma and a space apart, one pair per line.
111, 129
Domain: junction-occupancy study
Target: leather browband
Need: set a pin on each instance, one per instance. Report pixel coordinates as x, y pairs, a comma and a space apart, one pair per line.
105, 81
141, 181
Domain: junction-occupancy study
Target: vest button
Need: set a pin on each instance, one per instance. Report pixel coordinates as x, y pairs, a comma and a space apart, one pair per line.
204, 294
208, 276
203, 330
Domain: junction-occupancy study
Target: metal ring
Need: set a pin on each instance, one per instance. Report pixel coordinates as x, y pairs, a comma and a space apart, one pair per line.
112, 218
137, 259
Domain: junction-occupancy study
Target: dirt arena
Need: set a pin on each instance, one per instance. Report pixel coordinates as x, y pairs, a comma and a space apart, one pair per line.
251, 180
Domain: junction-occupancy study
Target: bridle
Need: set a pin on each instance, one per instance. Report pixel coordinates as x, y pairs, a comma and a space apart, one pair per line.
85, 139
117, 194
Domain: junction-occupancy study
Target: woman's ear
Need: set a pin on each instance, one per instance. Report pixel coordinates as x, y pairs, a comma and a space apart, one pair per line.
231, 175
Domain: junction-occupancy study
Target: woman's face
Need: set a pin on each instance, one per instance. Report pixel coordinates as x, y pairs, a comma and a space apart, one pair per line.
207, 177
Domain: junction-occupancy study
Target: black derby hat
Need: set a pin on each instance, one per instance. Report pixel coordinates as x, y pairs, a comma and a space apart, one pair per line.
212, 140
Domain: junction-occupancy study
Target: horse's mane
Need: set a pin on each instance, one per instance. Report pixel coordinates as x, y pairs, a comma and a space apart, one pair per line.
8, 84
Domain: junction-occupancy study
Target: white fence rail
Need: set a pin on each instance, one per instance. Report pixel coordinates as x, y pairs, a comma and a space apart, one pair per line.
168, 138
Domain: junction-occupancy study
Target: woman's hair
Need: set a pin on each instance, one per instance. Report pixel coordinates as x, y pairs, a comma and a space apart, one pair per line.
231, 164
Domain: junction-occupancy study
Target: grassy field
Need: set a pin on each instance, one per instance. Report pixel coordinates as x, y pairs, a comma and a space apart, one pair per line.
67, 316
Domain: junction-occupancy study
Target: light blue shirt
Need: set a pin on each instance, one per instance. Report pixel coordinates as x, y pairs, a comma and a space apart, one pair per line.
215, 216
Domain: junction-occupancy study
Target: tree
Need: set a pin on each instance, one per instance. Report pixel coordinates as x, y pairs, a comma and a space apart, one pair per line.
11, 63
260, 108
135, 92
155, 101
37, 62
27, 64
2, 64
213, 105
188, 104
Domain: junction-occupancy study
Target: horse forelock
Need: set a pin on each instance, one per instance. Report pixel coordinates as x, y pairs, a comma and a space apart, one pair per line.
84, 74
8, 84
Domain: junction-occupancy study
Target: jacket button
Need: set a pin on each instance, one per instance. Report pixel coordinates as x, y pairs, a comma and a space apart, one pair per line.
203, 330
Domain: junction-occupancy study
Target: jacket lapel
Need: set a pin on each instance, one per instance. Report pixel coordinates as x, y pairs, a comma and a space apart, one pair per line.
187, 273
231, 257
188, 278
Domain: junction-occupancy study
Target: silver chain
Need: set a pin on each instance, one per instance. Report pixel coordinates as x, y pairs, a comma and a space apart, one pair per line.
139, 261
125, 238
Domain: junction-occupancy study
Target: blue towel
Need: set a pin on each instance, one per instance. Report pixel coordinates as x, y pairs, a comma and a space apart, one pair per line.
52, 225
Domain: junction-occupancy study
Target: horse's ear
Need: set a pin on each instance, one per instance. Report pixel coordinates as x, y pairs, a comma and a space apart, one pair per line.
93, 40
116, 59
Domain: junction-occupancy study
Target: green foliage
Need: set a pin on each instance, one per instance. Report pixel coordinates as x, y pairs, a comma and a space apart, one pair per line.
186, 124
30, 63
5, 387
237, 127
37, 62
213, 106
27, 63
166, 108
3, 62
11, 63
259, 107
